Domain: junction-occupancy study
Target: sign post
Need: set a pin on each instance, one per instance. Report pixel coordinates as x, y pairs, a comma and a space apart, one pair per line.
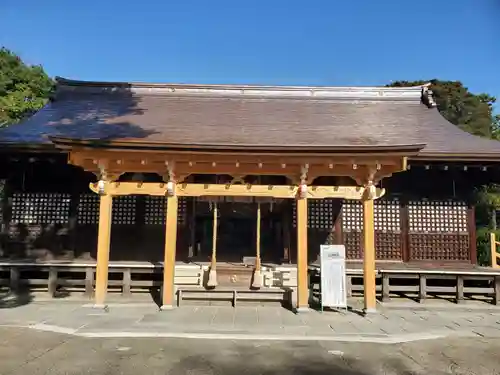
333, 276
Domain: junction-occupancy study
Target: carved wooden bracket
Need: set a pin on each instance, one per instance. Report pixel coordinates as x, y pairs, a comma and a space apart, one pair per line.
238, 179
172, 176
178, 178
304, 177
107, 176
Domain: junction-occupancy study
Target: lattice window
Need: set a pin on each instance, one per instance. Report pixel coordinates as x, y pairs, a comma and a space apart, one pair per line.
352, 216
438, 230
40, 208
387, 215
387, 222
123, 213
124, 209
388, 241
88, 209
320, 214
154, 211
437, 217
451, 247
353, 245
352, 225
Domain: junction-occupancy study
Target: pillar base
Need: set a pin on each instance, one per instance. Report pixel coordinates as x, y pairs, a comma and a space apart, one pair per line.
100, 306
302, 309
212, 278
257, 280
166, 307
369, 311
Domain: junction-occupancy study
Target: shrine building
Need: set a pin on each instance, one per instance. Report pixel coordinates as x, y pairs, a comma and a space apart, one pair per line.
240, 181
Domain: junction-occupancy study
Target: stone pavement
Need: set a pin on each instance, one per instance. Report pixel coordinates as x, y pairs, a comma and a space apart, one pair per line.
389, 325
28, 352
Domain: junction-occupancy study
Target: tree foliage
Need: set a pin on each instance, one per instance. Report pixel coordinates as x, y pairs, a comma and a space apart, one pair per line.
471, 112
488, 201
24, 89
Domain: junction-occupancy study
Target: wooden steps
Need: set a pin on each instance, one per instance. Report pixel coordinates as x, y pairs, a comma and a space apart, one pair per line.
233, 295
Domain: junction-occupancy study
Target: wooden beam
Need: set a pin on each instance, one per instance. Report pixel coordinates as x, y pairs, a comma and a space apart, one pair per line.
198, 190
184, 170
170, 249
369, 256
302, 277
103, 244
121, 157
236, 164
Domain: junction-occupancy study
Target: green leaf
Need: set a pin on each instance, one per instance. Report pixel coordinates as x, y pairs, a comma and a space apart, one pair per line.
24, 89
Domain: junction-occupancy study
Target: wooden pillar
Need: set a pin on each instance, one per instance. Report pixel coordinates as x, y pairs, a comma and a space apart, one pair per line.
285, 230
257, 275
170, 248
257, 239
493, 250
302, 277
471, 224
369, 256
103, 243
192, 229
212, 273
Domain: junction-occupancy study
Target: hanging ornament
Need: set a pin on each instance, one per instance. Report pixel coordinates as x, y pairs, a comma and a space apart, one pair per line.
371, 190
303, 191
170, 188
100, 187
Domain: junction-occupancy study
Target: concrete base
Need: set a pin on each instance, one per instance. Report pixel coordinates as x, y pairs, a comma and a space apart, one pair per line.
302, 309
212, 278
257, 280
370, 311
100, 307
167, 307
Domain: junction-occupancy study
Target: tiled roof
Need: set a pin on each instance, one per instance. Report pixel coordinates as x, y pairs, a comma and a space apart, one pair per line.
228, 116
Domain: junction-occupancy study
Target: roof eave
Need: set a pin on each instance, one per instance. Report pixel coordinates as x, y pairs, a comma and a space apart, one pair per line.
406, 150
31, 147
465, 156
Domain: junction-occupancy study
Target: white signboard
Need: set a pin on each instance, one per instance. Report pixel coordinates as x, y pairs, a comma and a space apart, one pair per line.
333, 277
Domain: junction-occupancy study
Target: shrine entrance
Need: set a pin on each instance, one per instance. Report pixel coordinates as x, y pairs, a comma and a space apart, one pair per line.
179, 171
237, 230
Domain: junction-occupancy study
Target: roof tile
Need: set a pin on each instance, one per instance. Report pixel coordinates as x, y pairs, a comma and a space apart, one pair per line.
222, 119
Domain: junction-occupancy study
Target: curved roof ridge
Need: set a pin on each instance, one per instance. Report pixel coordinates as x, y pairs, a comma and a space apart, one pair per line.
351, 92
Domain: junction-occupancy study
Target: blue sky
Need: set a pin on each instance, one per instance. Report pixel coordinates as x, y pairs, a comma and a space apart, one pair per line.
349, 42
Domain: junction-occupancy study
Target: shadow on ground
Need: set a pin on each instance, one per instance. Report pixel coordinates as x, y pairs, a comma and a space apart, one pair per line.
10, 299
337, 366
